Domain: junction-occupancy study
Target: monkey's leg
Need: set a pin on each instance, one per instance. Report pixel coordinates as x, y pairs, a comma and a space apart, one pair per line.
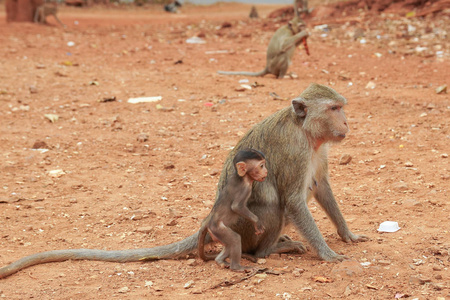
289, 247
220, 259
59, 21
304, 222
324, 195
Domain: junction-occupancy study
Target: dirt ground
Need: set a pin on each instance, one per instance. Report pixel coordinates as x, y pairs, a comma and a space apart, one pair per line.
141, 175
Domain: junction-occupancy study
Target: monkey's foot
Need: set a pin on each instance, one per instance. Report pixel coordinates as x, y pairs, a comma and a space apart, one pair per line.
284, 238
332, 256
349, 237
289, 246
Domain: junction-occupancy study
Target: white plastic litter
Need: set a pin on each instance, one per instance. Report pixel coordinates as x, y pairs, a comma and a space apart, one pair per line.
388, 226
144, 99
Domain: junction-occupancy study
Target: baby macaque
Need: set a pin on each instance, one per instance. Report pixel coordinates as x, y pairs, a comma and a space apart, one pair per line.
250, 166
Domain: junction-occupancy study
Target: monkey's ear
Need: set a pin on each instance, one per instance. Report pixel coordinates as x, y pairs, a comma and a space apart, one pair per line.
241, 168
299, 106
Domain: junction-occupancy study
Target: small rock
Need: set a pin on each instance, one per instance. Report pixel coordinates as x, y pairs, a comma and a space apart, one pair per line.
438, 276
188, 284
384, 262
345, 159
172, 223
197, 291
125, 289
129, 147
298, 272
169, 165
33, 89
142, 137
400, 186
371, 85
40, 145
408, 164
147, 229
437, 268
214, 172
442, 89
56, 173
412, 203
444, 155
418, 281
191, 262
261, 261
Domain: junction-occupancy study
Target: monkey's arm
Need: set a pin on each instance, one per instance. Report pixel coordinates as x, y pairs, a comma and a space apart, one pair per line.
324, 196
293, 41
239, 207
302, 219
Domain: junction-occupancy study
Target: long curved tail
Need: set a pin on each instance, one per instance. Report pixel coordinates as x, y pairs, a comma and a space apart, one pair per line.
173, 250
260, 73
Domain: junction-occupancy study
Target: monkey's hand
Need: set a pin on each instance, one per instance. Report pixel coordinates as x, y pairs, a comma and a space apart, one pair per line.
259, 228
350, 237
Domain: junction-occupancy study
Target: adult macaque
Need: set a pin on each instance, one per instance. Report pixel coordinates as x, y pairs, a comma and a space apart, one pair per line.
295, 142
250, 166
44, 10
281, 49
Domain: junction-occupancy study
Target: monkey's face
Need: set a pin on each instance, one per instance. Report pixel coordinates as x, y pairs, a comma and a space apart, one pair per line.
296, 25
257, 169
337, 122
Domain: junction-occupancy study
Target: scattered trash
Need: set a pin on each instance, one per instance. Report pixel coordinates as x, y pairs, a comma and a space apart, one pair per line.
70, 44
107, 99
195, 40
162, 108
243, 81
256, 84
208, 104
442, 89
144, 99
52, 117
388, 226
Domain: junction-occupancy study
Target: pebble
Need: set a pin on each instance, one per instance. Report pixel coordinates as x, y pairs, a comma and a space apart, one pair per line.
33, 89
298, 272
147, 229
125, 289
345, 159
142, 137
384, 262
408, 164
400, 186
191, 262
188, 284
442, 89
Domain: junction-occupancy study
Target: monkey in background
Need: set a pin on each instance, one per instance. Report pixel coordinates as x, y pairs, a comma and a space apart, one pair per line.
281, 48
295, 141
250, 166
44, 10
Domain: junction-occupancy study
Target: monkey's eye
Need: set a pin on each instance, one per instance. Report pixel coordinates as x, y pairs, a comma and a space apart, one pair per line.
335, 107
